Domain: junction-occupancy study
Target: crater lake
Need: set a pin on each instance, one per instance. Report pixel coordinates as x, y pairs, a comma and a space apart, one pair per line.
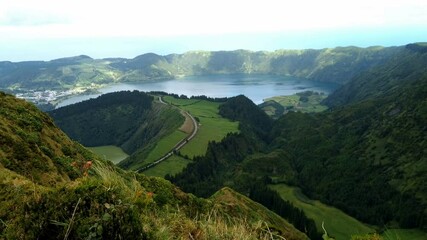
255, 86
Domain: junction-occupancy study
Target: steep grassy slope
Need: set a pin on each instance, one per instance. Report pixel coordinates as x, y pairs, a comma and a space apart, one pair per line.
80, 196
33, 147
235, 204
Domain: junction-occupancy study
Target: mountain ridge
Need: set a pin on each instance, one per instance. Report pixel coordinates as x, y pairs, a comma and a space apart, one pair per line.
336, 65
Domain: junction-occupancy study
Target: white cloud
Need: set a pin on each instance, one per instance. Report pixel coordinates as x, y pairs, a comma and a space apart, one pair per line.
30, 13
96, 18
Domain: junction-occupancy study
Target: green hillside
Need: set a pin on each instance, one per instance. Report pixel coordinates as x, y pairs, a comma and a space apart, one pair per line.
57, 74
145, 129
213, 127
331, 65
53, 188
129, 120
306, 102
366, 155
398, 71
229, 163
375, 145
29, 144
338, 224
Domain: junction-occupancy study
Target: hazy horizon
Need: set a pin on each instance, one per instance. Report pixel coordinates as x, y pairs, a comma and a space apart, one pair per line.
48, 29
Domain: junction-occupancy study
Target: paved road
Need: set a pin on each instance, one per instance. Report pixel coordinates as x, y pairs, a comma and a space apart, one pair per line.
177, 146
161, 100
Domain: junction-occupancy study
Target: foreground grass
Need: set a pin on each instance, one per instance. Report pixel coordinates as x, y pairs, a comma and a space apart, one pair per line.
338, 224
109, 152
111, 204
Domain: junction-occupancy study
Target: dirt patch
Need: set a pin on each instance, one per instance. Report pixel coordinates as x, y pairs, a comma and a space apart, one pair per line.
187, 126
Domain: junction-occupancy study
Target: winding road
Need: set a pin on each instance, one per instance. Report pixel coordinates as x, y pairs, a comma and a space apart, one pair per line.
177, 146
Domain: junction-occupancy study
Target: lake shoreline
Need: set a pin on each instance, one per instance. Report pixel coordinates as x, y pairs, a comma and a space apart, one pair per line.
256, 87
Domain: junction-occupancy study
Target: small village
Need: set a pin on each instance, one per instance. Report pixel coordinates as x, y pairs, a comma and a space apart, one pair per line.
44, 97
40, 97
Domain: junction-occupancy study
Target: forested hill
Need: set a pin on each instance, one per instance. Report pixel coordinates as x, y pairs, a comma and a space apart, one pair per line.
399, 71
225, 164
331, 65
366, 155
250, 117
53, 188
127, 119
375, 142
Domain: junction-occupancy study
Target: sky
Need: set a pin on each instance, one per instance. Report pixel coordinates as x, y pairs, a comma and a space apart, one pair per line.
49, 29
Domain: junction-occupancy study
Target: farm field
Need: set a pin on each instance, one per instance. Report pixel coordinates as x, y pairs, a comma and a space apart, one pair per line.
164, 146
212, 126
171, 166
304, 102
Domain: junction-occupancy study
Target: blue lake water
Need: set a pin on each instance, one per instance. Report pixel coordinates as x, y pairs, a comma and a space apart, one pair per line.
256, 87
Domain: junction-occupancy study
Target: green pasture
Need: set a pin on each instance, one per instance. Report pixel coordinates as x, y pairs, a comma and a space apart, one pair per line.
173, 165
164, 146
212, 126
294, 103
109, 152
338, 224
404, 234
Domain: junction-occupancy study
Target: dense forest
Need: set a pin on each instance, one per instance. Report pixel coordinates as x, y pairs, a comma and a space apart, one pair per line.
108, 119
366, 155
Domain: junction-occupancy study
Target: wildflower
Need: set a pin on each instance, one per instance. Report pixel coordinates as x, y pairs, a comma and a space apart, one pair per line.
87, 165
